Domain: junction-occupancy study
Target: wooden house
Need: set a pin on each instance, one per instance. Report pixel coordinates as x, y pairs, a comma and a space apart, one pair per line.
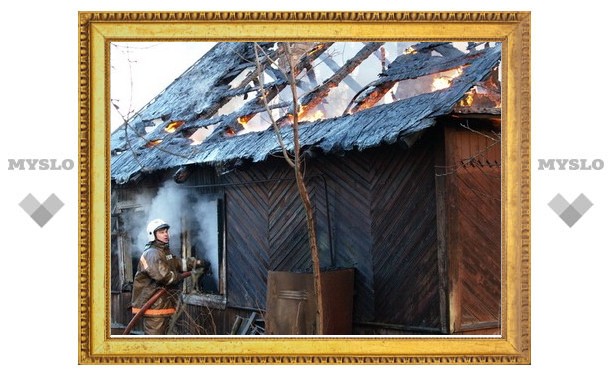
407, 193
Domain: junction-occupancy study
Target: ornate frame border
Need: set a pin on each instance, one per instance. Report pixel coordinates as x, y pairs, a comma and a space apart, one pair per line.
96, 29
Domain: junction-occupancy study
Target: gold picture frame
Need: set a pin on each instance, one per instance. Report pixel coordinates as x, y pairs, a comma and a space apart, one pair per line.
97, 29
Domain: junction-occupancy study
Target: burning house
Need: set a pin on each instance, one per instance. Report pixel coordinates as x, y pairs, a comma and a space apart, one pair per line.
402, 155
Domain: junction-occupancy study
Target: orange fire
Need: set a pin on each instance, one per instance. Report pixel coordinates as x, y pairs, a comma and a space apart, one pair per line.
289, 116
301, 112
304, 114
373, 97
468, 100
243, 120
153, 142
173, 126
481, 98
316, 48
313, 117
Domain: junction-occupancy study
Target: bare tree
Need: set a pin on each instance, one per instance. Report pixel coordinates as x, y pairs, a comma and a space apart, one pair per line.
295, 161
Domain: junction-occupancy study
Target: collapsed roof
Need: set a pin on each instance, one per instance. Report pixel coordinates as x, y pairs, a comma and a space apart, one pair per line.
218, 111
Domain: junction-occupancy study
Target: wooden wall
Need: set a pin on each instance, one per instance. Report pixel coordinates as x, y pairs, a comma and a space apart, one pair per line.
473, 178
375, 212
404, 254
420, 225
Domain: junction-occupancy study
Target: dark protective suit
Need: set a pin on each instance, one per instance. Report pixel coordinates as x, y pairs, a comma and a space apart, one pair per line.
157, 268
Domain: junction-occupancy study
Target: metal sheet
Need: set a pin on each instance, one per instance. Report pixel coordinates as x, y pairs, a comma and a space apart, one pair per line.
291, 305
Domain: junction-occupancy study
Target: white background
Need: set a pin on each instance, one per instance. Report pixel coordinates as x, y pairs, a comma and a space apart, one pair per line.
570, 266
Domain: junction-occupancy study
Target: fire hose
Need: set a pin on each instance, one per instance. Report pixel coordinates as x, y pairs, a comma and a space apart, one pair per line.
148, 304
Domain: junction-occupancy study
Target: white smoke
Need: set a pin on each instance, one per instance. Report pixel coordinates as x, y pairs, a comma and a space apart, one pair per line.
205, 212
169, 205
182, 209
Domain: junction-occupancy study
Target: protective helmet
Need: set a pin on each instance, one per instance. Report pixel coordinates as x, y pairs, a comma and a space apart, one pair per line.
155, 225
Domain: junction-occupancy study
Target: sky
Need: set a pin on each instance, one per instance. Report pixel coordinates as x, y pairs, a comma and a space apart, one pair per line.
570, 283
141, 70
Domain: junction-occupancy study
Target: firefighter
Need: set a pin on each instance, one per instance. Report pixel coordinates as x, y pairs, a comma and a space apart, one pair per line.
158, 268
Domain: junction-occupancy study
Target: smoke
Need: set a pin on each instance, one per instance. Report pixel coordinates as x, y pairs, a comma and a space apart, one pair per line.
208, 233
183, 210
169, 204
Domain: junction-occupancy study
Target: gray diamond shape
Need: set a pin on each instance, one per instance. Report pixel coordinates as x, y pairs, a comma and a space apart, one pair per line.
29, 204
570, 216
582, 204
41, 213
41, 216
53, 204
570, 213
558, 204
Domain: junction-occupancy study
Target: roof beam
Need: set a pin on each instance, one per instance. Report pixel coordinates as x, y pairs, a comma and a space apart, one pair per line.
352, 83
316, 96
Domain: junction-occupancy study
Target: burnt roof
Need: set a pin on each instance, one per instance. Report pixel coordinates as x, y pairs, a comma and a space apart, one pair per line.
195, 96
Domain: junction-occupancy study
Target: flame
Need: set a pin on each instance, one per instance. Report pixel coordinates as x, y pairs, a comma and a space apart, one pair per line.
315, 49
410, 51
373, 96
303, 114
243, 120
289, 115
480, 97
172, 126
443, 82
468, 100
153, 142
313, 117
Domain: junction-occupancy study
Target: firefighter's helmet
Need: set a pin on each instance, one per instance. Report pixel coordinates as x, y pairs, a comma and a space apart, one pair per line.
154, 225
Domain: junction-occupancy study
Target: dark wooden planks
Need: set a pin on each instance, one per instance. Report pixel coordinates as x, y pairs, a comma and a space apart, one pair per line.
404, 238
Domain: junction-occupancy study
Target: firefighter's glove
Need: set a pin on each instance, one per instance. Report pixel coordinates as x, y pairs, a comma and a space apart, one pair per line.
189, 263
205, 265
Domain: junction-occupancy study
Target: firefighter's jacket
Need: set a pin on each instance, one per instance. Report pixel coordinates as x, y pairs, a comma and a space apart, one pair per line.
157, 268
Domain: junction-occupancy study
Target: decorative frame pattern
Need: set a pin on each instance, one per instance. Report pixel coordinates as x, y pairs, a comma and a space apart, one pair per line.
96, 29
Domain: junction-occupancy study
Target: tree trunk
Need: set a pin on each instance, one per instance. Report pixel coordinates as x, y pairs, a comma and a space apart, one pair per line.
305, 197
296, 164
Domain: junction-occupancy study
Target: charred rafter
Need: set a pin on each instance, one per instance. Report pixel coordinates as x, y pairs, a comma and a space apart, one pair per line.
312, 99
418, 61
235, 122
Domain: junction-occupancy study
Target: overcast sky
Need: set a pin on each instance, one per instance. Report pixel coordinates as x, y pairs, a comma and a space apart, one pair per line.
141, 70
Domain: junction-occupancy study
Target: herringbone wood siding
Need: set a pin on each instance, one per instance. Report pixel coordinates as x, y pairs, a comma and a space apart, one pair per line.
287, 229
479, 221
248, 245
404, 238
381, 206
474, 187
266, 226
382, 221
266, 229
349, 183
